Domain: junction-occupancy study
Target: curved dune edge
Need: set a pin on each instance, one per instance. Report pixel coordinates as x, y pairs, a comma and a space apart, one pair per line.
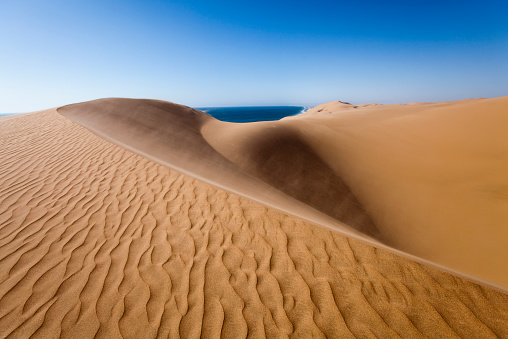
96, 241
172, 136
239, 158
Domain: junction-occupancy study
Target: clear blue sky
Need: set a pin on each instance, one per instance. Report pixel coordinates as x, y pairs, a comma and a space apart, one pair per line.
231, 53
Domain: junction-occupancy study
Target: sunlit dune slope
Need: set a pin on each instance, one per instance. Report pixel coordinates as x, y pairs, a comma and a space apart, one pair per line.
433, 177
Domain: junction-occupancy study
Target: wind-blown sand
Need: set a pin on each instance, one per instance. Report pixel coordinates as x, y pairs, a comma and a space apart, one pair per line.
98, 241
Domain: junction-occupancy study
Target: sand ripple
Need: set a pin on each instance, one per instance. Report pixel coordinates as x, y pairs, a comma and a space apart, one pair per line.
96, 241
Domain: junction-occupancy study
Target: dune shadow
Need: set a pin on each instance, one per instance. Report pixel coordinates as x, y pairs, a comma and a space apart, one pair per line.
281, 158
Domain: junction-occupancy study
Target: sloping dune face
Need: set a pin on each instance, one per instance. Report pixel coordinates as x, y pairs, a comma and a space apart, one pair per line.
97, 241
425, 180
433, 177
280, 156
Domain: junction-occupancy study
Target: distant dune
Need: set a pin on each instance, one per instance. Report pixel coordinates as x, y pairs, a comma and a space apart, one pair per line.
109, 227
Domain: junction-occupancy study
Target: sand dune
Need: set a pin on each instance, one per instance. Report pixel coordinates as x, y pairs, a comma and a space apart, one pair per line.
422, 179
176, 136
98, 241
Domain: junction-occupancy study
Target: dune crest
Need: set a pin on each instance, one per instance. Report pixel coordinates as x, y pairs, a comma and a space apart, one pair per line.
408, 178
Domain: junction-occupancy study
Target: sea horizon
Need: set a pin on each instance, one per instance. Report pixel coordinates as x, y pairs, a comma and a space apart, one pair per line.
241, 114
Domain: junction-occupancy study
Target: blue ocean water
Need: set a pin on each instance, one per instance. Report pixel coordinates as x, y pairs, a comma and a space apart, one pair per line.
253, 113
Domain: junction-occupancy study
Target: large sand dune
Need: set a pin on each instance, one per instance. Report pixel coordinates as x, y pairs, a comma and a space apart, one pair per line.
98, 241
428, 180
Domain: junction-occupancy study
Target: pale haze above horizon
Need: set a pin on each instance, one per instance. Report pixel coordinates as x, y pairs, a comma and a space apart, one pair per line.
231, 53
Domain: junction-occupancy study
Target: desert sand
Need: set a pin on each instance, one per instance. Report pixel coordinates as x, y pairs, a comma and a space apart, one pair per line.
142, 218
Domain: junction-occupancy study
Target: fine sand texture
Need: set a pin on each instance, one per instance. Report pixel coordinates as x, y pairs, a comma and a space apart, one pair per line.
98, 241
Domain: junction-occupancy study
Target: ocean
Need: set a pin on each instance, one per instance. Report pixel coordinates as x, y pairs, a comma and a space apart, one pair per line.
253, 113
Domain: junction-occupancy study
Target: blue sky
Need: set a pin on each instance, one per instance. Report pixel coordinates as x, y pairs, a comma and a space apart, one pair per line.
232, 53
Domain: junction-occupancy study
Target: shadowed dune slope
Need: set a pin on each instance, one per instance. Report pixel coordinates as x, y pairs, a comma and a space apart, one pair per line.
325, 191
425, 180
96, 241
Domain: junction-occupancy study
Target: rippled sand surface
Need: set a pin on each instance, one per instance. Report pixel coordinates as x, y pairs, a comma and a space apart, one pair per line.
96, 240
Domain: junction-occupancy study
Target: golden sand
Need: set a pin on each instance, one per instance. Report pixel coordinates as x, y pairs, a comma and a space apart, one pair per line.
96, 240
